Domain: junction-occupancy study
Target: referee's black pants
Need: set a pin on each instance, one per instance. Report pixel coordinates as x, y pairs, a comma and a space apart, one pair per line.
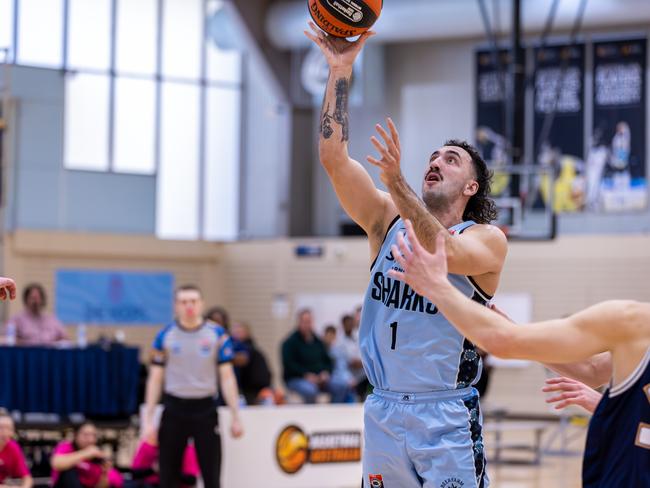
182, 419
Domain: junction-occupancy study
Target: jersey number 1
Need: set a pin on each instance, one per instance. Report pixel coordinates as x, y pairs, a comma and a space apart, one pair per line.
393, 341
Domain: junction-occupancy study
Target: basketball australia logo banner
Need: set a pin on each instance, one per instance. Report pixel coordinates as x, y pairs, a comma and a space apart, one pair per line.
294, 448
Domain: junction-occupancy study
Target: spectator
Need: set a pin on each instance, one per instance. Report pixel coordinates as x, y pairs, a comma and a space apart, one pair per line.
341, 375
349, 342
307, 366
220, 316
251, 366
12, 460
81, 463
146, 463
33, 325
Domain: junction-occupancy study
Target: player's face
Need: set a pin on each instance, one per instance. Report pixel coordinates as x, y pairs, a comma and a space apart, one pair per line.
306, 323
447, 176
189, 305
6, 430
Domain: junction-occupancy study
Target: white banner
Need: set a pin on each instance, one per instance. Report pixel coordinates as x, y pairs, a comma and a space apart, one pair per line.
303, 446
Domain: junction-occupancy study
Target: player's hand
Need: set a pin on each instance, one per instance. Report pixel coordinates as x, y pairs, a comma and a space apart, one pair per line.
571, 392
423, 271
236, 428
7, 288
339, 52
390, 153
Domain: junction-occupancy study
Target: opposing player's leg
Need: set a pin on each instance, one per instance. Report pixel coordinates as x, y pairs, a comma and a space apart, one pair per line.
385, 461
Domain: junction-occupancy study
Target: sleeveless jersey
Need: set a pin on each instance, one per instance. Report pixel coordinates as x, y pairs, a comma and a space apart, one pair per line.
406, 344
618, 443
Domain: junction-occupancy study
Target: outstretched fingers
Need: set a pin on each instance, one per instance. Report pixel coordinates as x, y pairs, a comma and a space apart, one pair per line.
390, 143
393, 131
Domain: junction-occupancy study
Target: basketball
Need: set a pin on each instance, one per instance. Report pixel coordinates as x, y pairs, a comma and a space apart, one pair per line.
345, 18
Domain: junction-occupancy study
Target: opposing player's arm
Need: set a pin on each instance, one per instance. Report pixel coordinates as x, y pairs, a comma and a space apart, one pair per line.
571, 339
594, 372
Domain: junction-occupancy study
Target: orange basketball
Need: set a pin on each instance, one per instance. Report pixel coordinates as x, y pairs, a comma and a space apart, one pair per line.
345, 18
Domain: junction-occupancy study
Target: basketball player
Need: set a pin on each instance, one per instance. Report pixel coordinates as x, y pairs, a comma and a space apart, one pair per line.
422, 423
618, 443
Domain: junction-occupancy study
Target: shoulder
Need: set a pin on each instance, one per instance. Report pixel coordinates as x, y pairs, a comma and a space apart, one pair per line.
216, 329
487, 233
64, 447
14, 447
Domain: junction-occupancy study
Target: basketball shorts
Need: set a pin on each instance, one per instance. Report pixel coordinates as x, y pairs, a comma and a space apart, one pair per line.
430, 440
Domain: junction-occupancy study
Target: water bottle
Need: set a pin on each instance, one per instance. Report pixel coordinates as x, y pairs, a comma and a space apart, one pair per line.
82, 338
11, 333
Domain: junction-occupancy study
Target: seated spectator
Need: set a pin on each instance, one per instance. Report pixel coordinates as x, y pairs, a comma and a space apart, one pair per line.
252, 368
12, 461
145, 464
33, 325
81, 463
349, 342
220, 316
341, 374
307, 366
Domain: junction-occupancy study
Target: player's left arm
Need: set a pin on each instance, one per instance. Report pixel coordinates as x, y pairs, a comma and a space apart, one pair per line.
230, 392
479, 250
570, 339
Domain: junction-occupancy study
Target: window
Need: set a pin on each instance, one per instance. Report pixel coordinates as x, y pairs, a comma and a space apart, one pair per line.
89, 40
40, 32
136, 36
86, 122
6, 27
221, 182
134, 126
182, 31
178, 176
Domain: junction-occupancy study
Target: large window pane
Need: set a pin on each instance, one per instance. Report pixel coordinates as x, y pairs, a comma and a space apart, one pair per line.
221, 183
89, 34
40, 32
135, 105
223, 65
178, 176
6, 27
86, 122
136, 36
182, 29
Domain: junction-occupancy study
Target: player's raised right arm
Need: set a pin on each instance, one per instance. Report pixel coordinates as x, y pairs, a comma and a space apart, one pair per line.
361, 200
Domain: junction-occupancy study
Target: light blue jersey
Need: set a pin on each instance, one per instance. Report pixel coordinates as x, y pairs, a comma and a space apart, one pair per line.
406, 344
422, 423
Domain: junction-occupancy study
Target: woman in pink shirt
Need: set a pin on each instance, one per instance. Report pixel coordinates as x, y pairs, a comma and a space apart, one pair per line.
145, 463
12, 461
80, 463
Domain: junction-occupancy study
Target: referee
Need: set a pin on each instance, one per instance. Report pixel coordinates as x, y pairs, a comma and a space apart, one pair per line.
186, 357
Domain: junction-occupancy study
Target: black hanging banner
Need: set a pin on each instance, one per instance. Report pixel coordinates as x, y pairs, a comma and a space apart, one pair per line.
559, 126
616, 166
490, 113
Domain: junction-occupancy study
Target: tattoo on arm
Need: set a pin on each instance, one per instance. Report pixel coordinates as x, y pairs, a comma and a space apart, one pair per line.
341, 112
340, 115
326, 123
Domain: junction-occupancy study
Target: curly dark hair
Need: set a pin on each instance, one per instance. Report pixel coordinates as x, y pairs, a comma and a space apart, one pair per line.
480, 208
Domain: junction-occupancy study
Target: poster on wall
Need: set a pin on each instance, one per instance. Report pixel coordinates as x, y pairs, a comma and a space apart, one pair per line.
616, 165
114, 297
490, 113
559, 127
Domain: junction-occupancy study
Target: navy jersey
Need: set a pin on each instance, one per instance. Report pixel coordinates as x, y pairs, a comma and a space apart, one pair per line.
618, 443
406, 344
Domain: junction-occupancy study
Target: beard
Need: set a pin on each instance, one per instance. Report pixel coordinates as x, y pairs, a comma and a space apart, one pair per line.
435, 200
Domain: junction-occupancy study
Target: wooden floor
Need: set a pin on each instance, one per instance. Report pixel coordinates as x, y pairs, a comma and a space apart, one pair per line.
555, 471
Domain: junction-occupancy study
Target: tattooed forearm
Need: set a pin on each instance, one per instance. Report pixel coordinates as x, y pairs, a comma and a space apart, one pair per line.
326, 123
341, 111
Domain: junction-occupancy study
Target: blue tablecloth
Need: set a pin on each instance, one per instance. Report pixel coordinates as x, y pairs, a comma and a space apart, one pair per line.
92, 381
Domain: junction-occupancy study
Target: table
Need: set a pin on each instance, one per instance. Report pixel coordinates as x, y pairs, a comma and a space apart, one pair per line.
93, 381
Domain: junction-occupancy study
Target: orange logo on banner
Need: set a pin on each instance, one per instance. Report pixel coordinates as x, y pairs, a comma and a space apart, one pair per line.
293, 448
